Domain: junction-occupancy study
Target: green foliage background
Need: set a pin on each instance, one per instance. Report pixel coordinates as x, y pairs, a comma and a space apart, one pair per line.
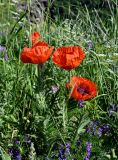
28, 106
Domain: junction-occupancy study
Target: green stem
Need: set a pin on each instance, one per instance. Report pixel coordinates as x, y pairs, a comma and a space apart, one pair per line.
40, 70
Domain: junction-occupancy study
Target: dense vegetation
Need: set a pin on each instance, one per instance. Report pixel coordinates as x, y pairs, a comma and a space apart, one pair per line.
38, 119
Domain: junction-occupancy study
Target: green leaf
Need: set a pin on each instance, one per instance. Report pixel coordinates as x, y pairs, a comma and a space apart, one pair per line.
81, 127
4, 155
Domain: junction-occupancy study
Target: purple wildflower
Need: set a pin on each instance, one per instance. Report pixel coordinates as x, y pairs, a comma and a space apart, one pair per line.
92, 128
28, 138
90, 45
88, 130
6, 57
95, 128
86, 158
15, 154
28, 135
106, 129
28, 141
81, 103
54, 88
88, 151
2, 48
65, 149
10, 151
17, 142
61, 152
100, 131
112, 108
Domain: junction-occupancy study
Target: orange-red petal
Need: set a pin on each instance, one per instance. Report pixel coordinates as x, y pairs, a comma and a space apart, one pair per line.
82, 88
40, 43
68, 57
35, 37
36, 55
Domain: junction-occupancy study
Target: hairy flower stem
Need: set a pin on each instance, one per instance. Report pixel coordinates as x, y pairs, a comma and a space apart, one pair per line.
40, 70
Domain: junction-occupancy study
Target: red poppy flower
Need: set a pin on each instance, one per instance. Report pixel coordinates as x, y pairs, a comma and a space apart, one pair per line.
38, 54
68, 57
82, 88
35, 37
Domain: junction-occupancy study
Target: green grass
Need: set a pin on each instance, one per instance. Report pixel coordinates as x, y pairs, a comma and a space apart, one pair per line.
52, 119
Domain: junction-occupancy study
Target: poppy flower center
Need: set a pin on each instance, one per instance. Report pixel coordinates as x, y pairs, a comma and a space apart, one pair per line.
83, 90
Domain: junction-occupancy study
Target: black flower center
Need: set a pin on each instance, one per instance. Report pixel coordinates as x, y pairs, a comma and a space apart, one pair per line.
83, 90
